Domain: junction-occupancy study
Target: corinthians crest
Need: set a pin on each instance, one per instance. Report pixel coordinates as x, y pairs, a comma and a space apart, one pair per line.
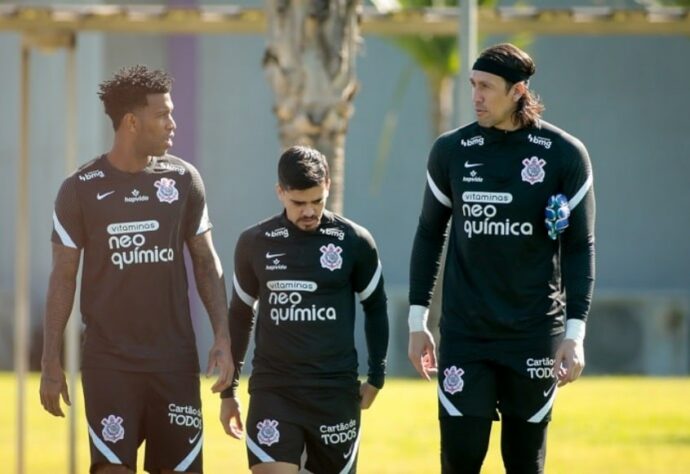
112, 428
330, 257
167, 192
533, 172
268, 432
453, 383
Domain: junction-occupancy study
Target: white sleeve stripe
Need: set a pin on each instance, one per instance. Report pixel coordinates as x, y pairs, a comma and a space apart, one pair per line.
442, 198
205, 223
62, 233
366, 292
258, 452
105, 450
187, 461
244, 296
581, 193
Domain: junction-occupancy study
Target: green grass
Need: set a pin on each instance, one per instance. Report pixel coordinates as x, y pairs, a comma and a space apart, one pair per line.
601, 425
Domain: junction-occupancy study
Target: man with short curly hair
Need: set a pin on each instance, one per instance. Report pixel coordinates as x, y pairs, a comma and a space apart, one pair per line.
131, 211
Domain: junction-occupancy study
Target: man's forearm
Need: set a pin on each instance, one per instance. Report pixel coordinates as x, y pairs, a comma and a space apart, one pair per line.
210, 284
58, 308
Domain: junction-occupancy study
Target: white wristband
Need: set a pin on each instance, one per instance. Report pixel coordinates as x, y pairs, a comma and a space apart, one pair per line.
417, 318
575, 330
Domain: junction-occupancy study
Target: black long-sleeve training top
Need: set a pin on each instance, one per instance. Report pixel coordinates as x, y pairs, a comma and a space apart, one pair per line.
504, 277
302, 287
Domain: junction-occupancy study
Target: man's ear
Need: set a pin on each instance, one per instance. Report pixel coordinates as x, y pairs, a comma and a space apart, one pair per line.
129, 121
519, 90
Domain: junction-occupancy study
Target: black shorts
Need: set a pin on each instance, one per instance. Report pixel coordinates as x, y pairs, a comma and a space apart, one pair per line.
125, 408
314, 428
513, 377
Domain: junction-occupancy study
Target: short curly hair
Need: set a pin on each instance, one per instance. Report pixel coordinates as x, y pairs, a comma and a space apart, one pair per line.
128, 88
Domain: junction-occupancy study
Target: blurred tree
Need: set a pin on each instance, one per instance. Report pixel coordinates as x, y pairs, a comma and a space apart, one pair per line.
310, 64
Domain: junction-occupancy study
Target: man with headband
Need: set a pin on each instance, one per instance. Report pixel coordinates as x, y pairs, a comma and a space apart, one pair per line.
519, 270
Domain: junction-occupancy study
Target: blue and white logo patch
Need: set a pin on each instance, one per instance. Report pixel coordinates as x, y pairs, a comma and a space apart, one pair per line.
167, 192
330, 257
533, 172
268, 432
113, 430
452, 382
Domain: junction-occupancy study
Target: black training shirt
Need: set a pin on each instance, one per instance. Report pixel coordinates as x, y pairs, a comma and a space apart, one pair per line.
132, 228
302, 287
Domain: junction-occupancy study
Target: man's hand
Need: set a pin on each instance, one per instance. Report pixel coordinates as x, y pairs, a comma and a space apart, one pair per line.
367, 393
220, 357
53, 385
230, 417
422, 353
569, 361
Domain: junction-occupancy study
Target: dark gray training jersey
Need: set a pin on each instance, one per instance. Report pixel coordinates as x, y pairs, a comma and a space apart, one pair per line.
504, 277
301, 286
132, 228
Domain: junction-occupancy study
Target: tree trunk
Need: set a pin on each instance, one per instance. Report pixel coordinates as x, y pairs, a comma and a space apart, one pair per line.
310, 64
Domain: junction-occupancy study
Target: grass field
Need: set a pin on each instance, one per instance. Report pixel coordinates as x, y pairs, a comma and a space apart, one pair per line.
601, 425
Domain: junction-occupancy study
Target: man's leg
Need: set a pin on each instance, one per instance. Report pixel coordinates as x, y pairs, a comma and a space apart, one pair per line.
274, 441
467, 404
464, 442
113, 402
173, 424
111, 469
527, 391
275, 468
331, 419
523, 445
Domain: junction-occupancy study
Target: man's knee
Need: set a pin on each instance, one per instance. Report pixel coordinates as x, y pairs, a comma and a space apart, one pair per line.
111, 469
523, 446
464, 442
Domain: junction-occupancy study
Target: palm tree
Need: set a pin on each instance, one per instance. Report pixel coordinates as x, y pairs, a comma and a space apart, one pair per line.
310, 64
437, 56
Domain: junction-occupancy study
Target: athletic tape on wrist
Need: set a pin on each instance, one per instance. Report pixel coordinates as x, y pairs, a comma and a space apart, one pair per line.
575, 330
417, 318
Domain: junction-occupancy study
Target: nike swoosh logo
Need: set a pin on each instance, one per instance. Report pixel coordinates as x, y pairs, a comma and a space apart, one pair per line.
349, 451
193, 438
472, 165
274, 255
100, 196
547, 392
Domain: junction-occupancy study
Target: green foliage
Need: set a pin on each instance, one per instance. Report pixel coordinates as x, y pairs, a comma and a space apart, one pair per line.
436, 55
670, 3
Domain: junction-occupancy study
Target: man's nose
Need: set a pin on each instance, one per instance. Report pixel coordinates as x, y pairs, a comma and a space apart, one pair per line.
476, 96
